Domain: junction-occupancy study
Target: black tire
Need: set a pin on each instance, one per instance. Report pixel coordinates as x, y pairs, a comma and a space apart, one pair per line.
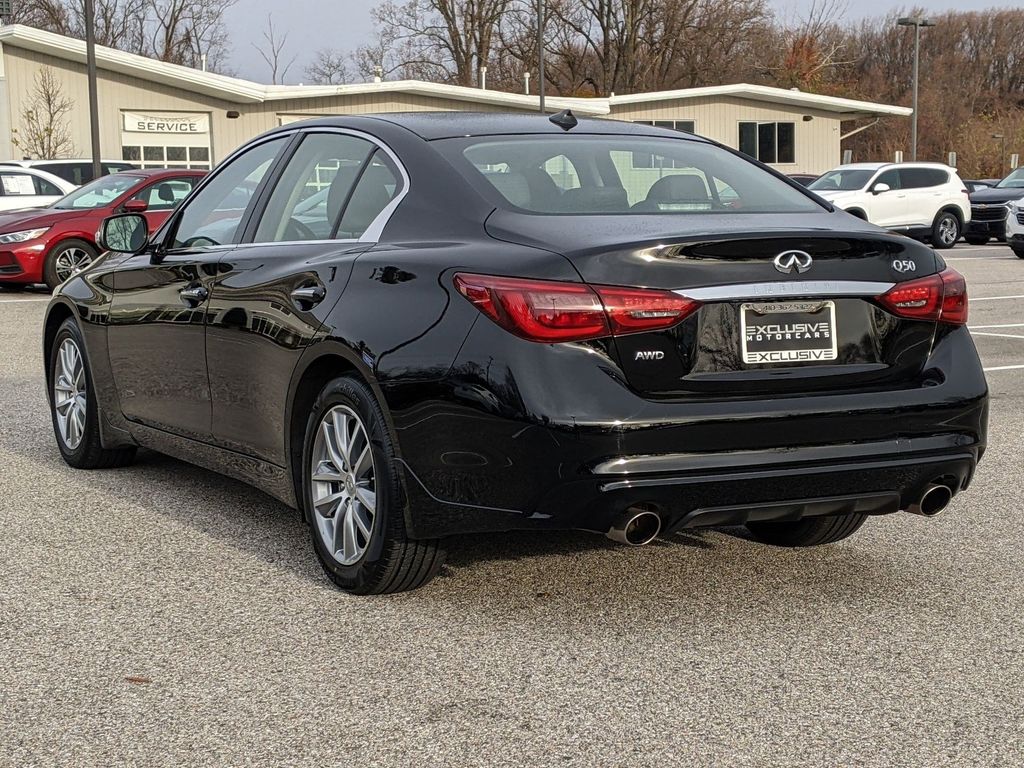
391, 562
809, 532
946, 230
88, 452
53, 274
1019, 253
975, 240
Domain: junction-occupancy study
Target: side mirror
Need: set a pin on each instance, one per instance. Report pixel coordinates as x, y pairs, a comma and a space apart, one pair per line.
126, 233
135, 206
880, 187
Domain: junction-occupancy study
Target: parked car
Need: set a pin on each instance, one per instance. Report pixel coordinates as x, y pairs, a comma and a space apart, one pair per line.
76, 171
803, 178
1015, 227
989, 208
486, 341
30, 188
923, 200
47, 245
973, 185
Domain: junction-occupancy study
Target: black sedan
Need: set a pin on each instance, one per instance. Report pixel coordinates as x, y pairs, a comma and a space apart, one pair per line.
416, 326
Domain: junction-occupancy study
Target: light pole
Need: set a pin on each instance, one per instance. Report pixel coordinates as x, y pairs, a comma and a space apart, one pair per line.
1002, 153
90, 70
916, 22
540, 52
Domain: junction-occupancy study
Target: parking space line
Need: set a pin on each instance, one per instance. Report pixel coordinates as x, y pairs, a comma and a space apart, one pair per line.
999, 325
996, 298
23, 301
1000, 335
1004, 368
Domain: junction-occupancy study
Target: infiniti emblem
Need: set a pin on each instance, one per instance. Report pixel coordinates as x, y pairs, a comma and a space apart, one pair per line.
793, 261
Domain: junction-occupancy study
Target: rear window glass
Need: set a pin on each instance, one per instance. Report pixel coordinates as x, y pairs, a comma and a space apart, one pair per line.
599, 175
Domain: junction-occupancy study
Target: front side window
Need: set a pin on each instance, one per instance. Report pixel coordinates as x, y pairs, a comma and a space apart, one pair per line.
214, 216
687, 176
165, 195
768, 142
99, 193
841, 180
314, 188
892, 177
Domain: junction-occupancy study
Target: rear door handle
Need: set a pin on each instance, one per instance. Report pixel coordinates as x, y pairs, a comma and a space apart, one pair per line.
308, 296
191, 297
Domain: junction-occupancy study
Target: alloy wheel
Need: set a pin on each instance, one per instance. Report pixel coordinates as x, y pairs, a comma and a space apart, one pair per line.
948, 230
343, 484
69, 261
69, 395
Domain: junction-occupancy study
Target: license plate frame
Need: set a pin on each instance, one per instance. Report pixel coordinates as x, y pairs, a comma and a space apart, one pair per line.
802, 332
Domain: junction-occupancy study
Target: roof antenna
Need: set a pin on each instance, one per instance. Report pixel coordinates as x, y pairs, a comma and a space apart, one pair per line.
565, 120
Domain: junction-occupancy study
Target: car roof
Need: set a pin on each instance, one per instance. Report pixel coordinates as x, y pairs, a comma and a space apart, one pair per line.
149, 173
443, 125
877, 166
36, 171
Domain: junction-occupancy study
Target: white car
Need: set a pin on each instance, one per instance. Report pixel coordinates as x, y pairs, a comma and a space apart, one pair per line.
1015, 227
77, 171
30, 188
923, 200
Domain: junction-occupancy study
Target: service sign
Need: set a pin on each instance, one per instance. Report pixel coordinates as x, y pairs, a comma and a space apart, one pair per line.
173, 122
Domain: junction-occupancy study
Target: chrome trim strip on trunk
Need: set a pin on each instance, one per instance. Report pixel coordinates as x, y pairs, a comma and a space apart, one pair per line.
786, 289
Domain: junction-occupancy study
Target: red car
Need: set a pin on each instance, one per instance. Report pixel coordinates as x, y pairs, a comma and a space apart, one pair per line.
47, 245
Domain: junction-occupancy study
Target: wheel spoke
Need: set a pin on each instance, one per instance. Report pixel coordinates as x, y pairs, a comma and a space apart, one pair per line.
327, 473
363, 521
330, 499
340, 421
367, 498
363, 464
351, 546
330, 444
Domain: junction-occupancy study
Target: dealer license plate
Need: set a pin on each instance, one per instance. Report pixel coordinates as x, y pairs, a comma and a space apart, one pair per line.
788, 332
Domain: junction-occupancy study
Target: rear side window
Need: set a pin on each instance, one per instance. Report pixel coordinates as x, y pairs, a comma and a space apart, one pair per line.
918, 178
679, 176
378, 185
17, 184
314, 188
77, 173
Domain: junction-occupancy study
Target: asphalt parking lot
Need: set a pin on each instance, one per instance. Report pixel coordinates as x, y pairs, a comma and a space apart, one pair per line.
163, 615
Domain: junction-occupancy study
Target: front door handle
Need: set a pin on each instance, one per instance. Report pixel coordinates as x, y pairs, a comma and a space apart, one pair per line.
194, 296
308, 296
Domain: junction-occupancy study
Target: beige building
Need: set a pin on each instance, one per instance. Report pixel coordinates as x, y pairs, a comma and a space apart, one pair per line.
163, 115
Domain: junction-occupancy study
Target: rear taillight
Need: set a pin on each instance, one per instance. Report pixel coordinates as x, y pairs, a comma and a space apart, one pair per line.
940, 298
549, 311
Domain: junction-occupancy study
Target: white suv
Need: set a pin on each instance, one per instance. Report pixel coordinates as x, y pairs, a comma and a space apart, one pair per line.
924, 200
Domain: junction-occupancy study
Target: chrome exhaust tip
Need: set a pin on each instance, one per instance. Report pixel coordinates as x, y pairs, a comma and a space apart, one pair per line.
936, 497
635, 527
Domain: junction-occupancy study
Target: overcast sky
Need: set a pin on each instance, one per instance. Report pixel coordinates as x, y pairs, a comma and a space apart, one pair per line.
346, 24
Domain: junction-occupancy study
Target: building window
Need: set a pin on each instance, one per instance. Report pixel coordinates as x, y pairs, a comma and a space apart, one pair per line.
154, 156
769, 142
643, 160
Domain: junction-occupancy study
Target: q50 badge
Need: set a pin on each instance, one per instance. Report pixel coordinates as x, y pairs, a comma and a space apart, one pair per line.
904, 265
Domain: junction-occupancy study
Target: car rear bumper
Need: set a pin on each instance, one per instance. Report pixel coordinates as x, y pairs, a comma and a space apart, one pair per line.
550, 451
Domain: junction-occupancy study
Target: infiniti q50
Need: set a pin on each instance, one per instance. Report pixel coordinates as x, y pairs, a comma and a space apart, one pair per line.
411, 327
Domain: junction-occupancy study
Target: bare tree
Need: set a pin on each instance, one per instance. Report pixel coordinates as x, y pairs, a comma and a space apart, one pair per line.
45, 132
272, 52
451, 39
329, 67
